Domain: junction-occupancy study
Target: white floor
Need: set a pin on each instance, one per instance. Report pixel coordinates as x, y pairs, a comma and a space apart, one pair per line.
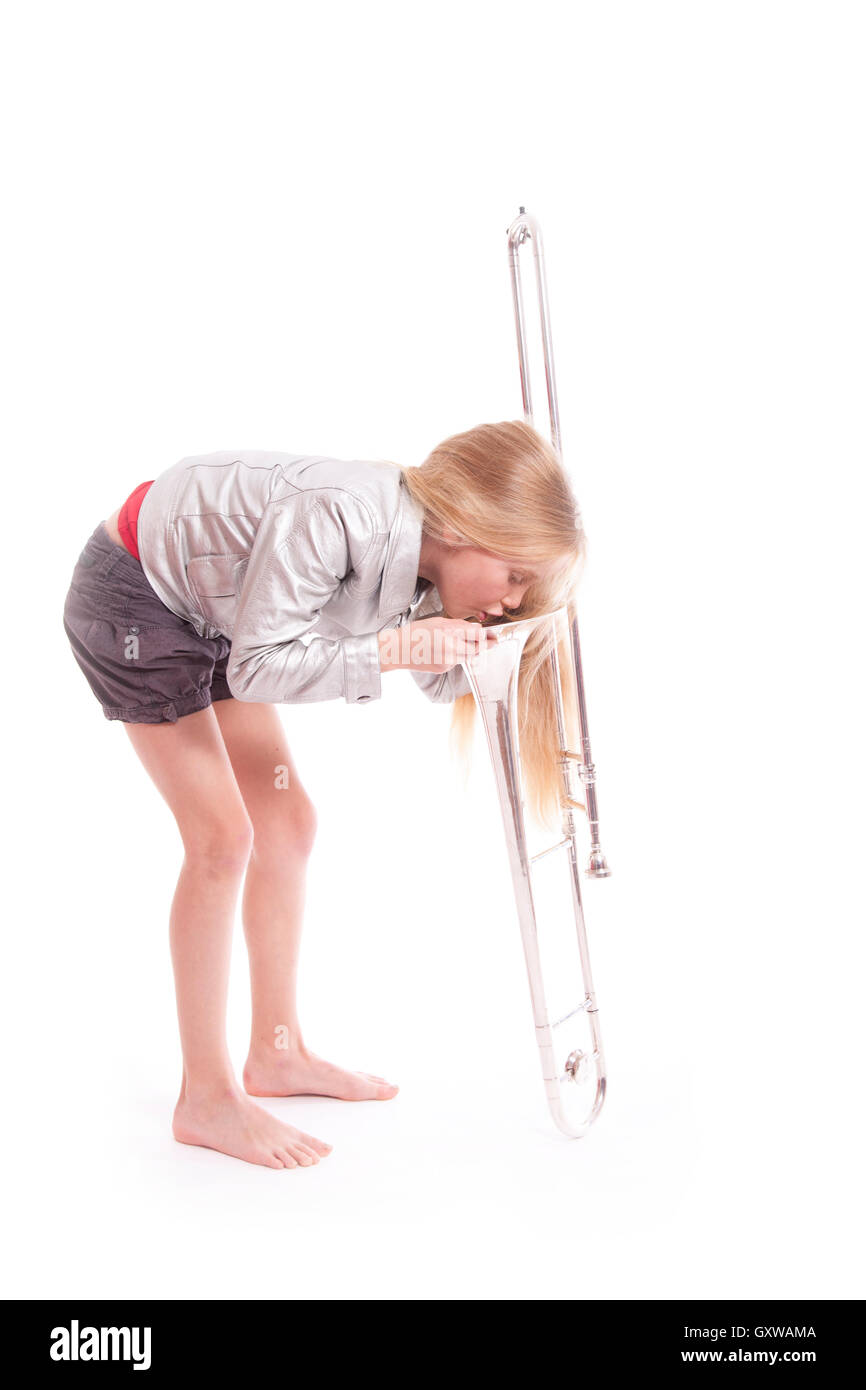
459, 1189
726, 1161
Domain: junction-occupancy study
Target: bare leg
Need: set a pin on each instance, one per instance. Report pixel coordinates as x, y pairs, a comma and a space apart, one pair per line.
284, 825
190, 767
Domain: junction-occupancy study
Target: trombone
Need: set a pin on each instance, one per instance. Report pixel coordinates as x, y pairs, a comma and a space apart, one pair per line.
567, 1030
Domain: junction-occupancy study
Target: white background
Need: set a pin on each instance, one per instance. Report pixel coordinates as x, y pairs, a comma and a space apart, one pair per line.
282, 226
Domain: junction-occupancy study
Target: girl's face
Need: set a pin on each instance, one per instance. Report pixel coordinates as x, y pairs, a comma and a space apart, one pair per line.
476, 583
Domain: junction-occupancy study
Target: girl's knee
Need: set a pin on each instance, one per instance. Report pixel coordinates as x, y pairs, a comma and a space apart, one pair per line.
219, 846
304, 826
291, 829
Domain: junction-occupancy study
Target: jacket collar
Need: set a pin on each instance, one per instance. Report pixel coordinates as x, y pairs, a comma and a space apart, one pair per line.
399, 583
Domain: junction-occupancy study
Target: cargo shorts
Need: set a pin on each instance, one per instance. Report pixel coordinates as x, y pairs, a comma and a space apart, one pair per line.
144, 664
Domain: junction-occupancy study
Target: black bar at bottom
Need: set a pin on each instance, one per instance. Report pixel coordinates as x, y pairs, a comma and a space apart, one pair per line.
154, 1337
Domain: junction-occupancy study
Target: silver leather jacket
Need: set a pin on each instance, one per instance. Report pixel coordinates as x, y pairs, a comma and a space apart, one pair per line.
300, 561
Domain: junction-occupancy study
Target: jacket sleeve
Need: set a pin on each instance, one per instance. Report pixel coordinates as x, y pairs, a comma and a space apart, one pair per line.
442, 686
307, 542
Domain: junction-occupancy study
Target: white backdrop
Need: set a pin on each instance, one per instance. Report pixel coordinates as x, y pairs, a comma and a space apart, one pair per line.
282, 226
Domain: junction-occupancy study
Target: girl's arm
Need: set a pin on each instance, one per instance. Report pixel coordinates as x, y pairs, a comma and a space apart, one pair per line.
307, 542
443, 686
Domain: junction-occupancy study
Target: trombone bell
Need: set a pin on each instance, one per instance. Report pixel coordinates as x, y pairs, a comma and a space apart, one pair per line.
566, 1028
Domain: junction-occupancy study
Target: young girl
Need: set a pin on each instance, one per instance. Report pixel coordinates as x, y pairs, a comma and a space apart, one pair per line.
237, 581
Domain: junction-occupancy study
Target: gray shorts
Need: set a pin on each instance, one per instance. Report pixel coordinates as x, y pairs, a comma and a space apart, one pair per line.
144, 664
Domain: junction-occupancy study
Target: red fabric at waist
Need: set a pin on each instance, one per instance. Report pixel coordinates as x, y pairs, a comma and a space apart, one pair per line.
127, 521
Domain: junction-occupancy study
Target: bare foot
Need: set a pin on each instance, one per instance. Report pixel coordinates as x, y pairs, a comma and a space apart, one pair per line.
302, 1073
235, 1125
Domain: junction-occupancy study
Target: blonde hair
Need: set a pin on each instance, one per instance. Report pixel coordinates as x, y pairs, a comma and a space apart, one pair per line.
503, 488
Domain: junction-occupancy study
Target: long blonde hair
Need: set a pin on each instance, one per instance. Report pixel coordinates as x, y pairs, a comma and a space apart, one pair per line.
503, 488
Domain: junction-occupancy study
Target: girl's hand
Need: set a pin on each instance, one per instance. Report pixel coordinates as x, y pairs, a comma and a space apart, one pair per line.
431, 644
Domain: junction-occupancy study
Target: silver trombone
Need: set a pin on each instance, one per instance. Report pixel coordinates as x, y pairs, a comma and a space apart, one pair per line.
568, 1033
